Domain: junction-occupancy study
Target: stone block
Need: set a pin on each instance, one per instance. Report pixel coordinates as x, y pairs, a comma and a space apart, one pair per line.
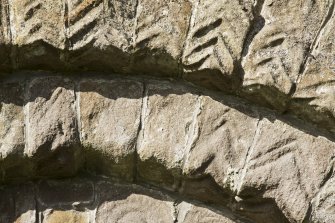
110, 112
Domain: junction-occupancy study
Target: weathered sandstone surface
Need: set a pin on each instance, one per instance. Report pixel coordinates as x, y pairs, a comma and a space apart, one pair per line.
167, 111
193, 143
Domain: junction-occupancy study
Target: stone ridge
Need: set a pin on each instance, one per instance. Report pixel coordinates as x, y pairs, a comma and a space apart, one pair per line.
279, 54
198, 144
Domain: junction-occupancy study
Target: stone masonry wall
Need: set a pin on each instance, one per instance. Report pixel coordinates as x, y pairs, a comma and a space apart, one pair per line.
167, 111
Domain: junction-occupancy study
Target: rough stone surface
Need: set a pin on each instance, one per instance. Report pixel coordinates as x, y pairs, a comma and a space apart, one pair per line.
161, 163
109, 118
11, 118
278, 50
12, 140
250, 163
280, 55
51, 130
122, 203
65, 200
100, 34
215, 43
128, 99
277, 149
5, 61
37, 32
218, 144
55, 216
112, 202
189, 213
161, 30
314, 97
323, 203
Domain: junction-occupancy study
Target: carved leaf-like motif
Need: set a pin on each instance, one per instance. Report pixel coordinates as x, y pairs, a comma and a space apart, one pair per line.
83, 21
277, 165
38, 20
215, 41
276, 54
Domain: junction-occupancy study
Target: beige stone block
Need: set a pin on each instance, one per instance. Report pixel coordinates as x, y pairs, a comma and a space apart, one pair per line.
168, 116
130, 203
110, 112
160, 33
52, 133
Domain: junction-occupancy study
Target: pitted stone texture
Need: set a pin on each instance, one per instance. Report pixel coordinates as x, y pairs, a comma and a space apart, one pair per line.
110, 113
84, 14
52, 134
71, 216
276, 54
29, 27
5, 61
315, 96
122, 203
201, 145
189, 213
324, 203
277, 167
38, 32
100, 34
167, 106
161, 30
12, 138
278, 49
214, 43
61, 201
220, 143
11, 119
271, 48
